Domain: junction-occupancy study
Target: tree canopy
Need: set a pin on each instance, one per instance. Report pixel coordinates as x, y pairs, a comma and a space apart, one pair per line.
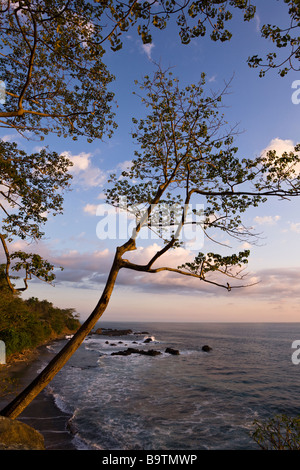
187, 156
31, 188
52, 54
285, 37
52, 65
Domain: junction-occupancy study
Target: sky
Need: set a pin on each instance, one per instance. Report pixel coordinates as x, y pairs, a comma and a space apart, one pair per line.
268, 119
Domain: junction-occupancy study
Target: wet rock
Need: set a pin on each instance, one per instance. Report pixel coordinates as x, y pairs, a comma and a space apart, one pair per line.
206, 348
115, 332
175, 352
128, 351
151, 352
121, 353
147, 340
15, 435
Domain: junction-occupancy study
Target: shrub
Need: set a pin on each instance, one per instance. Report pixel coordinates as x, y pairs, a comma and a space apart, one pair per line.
279, 433
26, 324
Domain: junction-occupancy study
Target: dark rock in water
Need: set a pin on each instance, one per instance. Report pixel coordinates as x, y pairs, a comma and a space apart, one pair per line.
114, 332
175, 352
121, 353
151, 352
128, 351
206, 348
148, 340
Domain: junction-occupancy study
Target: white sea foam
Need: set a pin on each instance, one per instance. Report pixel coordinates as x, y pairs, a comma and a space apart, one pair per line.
61, 404
199, 399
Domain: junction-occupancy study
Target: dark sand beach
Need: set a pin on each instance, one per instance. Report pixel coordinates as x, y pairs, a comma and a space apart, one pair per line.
42, 413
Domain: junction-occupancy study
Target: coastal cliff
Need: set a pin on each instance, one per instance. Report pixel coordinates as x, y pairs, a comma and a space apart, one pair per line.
27, 324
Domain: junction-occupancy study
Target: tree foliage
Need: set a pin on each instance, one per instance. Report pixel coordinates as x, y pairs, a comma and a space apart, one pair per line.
52, 54
278, 433
52, 66
26, 324
283, 37
31, 188
188, 157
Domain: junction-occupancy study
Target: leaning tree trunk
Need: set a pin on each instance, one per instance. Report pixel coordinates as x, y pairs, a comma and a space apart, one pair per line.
13, 409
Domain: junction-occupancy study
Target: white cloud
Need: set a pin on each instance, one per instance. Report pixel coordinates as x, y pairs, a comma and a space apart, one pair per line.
280, 145
257, 22
245, 246
85, 173
12, 138
295, 227
171, 258
80, 162
267, 220
90, 209
19, 245
8, 138
93, 177
123, 166
90, 269
277, 284
147, 49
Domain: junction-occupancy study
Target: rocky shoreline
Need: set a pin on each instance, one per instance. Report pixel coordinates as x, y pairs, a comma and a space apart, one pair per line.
116, 332
149, 352
42, 414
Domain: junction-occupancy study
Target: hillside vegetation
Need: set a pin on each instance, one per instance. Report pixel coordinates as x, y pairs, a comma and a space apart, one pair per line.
26, 324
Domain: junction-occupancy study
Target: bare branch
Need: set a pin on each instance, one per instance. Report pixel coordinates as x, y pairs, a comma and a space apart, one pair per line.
145, 268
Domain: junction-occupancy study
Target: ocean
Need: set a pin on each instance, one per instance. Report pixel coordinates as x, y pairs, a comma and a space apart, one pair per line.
196, 400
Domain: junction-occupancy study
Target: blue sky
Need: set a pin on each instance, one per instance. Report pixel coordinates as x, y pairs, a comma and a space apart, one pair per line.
264, 110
